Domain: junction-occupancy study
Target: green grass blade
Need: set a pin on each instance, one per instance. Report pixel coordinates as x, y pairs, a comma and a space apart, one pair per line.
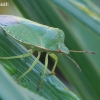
76, 10
8, 87
9, 90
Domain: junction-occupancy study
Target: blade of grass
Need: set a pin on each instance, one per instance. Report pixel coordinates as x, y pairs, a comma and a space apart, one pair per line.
12, 90
70, 7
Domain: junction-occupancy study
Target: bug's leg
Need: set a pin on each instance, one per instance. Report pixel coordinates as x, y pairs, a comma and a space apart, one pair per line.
31, 67
44, 72
20, 56
56, 60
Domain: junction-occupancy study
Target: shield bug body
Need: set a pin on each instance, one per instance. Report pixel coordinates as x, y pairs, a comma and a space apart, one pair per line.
37, 37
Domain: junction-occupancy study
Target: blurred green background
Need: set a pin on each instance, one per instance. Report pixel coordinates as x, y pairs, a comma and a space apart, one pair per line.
80, 21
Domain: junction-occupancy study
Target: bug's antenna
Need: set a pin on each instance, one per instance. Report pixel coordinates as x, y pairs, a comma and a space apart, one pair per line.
73, 62
92, 52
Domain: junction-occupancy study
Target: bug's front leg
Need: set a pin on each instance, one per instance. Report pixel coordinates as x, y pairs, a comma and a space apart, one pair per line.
55, 64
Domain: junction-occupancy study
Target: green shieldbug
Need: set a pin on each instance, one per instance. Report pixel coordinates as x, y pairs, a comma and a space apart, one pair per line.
37, 37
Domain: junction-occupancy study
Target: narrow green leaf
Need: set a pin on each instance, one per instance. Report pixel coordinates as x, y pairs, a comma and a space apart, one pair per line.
9, 90
76, 10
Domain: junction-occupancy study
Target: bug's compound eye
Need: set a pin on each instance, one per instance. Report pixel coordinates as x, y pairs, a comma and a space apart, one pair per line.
59, 51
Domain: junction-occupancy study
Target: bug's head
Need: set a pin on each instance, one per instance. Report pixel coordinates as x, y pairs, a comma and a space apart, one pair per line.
63, 48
